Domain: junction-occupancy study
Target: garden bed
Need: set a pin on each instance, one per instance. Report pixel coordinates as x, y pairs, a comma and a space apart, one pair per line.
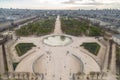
22, 48
15, 65
92, 47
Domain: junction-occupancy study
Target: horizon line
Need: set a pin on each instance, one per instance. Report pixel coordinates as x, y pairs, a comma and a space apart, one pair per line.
64, 9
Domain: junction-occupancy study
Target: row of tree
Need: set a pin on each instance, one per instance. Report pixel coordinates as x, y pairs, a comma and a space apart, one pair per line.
90, 76
76, 27
41, 27
118, 60
21, 76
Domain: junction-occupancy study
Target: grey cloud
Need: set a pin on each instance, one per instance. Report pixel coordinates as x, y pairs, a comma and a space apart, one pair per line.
69, 2
96, 3
93, 2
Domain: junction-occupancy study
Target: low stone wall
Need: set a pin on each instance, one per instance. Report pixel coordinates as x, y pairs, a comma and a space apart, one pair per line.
90, 76
22, 76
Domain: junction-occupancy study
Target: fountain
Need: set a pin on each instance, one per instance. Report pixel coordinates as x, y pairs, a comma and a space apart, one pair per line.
57, 40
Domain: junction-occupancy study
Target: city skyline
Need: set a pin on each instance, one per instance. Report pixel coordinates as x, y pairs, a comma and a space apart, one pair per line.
61, 4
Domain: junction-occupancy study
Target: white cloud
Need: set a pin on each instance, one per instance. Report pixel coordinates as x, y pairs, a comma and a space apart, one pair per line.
60, 4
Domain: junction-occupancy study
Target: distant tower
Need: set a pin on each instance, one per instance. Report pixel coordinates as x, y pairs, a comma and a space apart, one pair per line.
3, 59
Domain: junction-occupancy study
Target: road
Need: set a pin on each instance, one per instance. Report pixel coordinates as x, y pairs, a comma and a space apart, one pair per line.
2, 70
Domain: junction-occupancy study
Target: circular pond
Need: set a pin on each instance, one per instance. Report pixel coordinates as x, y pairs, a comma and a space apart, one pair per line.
57, 40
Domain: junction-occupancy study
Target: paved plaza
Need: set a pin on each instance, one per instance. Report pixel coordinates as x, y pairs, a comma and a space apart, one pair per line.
57, 62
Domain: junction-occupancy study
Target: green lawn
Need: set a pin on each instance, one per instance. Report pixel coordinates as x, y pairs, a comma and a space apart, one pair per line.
22, 48
92, 47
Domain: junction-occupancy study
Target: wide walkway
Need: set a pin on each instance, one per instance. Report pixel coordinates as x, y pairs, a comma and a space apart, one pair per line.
113, 60
57, 64
57, 29
56, 59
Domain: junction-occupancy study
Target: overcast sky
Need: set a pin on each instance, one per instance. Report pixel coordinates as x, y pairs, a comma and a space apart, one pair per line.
60, 4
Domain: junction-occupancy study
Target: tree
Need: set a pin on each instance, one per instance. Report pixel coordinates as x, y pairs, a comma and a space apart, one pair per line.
0, 77
92, 74
98, 74
81, 74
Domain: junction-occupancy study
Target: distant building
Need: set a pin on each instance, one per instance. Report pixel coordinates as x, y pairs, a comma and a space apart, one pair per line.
118, 29
107, 35
116, 39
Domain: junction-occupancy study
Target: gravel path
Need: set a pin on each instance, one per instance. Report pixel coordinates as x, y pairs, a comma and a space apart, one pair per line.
57, 29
